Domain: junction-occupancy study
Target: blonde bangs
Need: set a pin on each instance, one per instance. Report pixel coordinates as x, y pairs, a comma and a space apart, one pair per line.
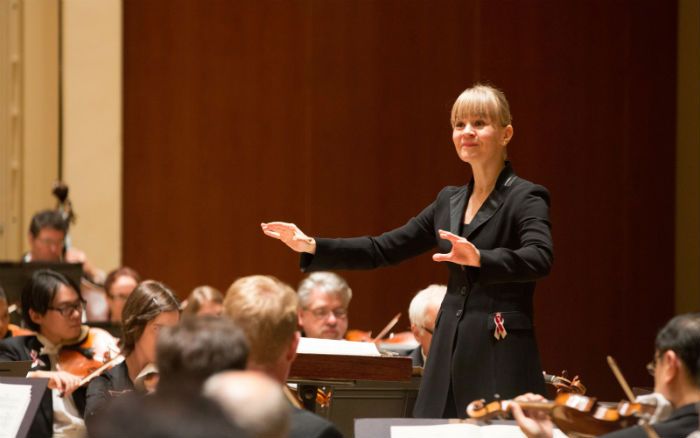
482, 101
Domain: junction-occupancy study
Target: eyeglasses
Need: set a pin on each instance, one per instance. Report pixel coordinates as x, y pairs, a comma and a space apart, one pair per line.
429, 330
68, 309
323, 313
651, 366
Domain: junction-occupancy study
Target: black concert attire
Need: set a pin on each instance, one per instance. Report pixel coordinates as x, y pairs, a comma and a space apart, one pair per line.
512, 233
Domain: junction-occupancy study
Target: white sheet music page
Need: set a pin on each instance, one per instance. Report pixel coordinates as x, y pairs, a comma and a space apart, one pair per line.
462, 430
331, 346
14, 401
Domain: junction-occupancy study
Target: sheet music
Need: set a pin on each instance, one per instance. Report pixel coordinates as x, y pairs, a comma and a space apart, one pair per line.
14, 402
331, 346
462, 430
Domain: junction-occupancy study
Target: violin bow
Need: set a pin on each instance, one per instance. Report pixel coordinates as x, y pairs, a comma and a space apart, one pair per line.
651, 433
387, 328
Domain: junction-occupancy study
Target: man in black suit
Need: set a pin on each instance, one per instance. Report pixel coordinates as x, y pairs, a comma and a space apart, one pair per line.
52, 307
422, 312
676, 371
266, 309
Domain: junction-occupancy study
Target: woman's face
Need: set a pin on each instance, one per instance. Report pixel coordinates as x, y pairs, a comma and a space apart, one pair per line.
479, 140
146, 345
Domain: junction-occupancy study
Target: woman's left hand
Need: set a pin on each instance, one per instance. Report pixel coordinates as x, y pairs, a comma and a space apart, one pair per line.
463, 251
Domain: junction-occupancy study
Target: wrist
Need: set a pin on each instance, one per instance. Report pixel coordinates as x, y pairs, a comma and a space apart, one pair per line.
311, 245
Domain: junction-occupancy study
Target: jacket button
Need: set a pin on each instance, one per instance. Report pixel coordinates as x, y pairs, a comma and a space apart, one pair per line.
459, 313
463, 290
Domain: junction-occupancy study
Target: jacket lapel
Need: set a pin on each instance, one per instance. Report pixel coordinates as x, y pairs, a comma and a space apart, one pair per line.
457, 205
495, 199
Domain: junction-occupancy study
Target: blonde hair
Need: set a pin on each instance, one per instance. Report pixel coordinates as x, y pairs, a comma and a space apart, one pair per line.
484, 101
199, 296
266, 309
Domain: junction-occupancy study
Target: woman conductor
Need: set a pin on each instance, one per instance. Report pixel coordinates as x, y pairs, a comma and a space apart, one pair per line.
494, 235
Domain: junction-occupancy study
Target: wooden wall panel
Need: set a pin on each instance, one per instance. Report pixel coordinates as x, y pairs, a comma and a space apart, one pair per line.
335, 115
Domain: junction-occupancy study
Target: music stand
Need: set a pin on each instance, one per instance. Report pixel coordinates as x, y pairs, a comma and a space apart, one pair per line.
18, 368
37, 393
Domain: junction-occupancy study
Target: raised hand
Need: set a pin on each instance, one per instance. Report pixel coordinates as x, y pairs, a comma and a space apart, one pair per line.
291, 235
463, 251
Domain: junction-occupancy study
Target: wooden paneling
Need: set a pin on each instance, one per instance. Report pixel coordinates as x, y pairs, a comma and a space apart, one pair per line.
335, 115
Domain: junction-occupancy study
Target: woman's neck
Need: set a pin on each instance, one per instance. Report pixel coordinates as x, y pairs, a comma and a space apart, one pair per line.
135, 362
486, 175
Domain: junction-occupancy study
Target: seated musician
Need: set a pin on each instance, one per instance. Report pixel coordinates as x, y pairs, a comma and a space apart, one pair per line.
149, 308
194, 350
253, 401
266, 309
324, 298
422, 312
52, 307
47, 243
676, 371
119, 284
7, 330
204, 300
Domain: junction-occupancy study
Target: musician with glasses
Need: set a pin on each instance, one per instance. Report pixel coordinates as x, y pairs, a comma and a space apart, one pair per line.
52, 307
324, 298
676, 371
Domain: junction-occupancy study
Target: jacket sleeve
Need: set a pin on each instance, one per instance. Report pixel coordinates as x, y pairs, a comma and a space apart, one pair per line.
8, 352
390, 248
533, 259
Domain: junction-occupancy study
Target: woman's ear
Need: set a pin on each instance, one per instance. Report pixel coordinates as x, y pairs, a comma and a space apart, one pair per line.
507, 134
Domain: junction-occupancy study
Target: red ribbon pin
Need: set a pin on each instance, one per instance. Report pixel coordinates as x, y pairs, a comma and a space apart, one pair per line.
500, 332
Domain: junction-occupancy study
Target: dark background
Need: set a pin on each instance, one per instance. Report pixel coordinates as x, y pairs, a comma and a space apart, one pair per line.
335, 115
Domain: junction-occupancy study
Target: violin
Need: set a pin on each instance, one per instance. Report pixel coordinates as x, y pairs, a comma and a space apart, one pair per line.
96, 353
562, 384
16, 330
358, 335
572, 413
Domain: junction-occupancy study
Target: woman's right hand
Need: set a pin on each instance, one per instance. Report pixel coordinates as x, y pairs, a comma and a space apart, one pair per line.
291, 235
63, 381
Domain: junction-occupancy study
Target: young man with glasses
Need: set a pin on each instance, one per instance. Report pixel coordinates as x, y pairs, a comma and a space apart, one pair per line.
53, 308
324, 298
676, 371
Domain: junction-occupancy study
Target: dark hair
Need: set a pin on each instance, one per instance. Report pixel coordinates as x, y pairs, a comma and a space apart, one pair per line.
40, 291
175, 416
188, 353
47, 219
113, 276
682, 335
145, 303
2, 294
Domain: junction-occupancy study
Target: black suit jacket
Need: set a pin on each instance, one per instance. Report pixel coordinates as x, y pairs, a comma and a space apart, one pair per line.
27, 348
680, 424
105, 387
512, 233
305, 424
